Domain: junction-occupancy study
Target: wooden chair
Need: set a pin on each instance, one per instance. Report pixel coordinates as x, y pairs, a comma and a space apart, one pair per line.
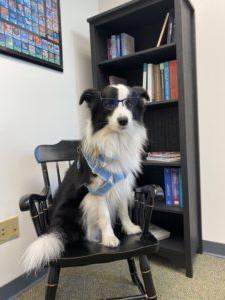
83, 252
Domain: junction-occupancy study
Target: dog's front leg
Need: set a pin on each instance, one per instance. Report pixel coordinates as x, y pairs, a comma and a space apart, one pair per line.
104, 222
128, 226
97, 216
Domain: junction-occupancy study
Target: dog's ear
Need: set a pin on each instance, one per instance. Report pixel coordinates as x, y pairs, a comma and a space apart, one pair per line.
90, 96
141, 92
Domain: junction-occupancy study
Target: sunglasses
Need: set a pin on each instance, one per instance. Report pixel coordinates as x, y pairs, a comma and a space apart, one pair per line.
111, 103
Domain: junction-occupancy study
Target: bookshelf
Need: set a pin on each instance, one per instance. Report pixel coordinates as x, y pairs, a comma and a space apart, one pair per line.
171, 125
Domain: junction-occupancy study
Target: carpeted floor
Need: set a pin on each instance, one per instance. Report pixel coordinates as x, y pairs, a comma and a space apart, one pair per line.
113, 280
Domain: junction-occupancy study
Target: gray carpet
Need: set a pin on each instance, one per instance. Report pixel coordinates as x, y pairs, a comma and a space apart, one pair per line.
113, 280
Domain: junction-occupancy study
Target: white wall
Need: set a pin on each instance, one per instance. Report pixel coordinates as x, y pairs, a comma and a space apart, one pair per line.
39, 105
210, 28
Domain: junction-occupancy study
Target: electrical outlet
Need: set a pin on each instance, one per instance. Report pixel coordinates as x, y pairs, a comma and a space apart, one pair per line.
9, 229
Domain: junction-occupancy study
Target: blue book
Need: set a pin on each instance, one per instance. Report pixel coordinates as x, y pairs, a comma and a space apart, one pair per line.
118, 45
168, 186
181, 189
167, 80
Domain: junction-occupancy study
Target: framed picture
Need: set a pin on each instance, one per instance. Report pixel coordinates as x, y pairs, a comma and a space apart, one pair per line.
31, 30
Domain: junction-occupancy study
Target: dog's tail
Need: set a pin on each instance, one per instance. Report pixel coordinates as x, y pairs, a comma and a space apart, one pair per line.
46, 248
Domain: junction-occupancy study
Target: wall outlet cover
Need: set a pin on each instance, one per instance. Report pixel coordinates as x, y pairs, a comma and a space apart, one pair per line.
9, 229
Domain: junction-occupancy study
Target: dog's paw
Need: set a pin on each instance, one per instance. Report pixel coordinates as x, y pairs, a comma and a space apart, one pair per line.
110, 241
133, 229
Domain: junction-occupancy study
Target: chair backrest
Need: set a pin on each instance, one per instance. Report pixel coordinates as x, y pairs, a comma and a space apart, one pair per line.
64, 151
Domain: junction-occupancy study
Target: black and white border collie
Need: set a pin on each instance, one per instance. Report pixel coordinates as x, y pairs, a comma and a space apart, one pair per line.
98, 187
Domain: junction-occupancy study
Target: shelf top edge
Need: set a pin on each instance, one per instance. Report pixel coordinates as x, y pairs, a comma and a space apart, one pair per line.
120, 10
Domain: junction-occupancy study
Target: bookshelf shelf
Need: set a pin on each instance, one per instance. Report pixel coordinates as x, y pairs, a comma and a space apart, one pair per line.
161, 206
161, 104
152, 55
174, 245
171, 125
161, 164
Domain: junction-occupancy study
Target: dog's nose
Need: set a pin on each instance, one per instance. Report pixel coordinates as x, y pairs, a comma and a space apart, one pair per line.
122, 121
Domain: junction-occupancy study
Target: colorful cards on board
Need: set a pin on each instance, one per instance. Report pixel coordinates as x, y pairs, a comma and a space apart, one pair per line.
31, 29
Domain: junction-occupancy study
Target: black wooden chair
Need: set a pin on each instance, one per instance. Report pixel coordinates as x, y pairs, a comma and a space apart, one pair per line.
82, 252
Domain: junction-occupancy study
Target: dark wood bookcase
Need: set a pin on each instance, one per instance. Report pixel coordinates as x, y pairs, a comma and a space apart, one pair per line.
171, 125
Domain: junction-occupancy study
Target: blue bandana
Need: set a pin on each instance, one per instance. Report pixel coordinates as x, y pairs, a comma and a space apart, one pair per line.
97, 167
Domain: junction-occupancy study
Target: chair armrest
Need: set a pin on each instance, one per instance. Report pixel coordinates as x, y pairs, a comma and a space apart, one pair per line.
24, 202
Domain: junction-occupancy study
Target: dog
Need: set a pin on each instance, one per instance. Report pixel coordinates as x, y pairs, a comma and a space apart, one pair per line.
98, 187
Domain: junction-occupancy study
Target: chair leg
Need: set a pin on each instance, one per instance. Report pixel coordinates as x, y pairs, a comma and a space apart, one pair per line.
147, 277
52, 284
134, 275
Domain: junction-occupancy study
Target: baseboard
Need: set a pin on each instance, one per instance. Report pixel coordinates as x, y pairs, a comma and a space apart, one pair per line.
21, 283
214, 248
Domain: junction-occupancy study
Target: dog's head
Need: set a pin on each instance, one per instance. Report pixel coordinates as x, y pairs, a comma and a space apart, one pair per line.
117, 106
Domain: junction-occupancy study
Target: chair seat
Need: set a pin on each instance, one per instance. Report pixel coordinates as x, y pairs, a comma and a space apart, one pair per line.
84, 252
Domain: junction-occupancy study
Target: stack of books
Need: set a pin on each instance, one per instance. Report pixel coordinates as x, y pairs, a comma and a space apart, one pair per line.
160, 81
119, 45
164, 156
167, 34
173, 187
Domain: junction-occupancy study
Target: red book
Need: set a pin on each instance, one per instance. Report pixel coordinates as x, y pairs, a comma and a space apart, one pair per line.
173, 80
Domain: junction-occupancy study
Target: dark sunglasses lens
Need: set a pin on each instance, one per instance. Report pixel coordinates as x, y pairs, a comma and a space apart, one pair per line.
131, 102
109, 104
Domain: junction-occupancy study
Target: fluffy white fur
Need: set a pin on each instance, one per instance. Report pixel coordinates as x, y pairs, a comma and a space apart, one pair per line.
47, 247
125, 146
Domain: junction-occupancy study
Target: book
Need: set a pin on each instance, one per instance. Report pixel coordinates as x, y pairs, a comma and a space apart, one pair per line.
159, 232
175, 186
145, 70
127, 44
157, 83
168, 186
167, 80
173, 38
116, 80
163, 31
170, 27
150, 82
118, 46
164, 154
181, 189
161, 66
113, 46
173, 79
109, 52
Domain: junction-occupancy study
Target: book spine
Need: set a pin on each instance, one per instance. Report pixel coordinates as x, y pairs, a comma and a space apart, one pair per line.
175, 187
150, 85
181, 189
127, 43
168, 186
170, 28
167, 80
173, 38
162, 80
158, 87
113, 46
173, 79
118, 52
109, 49
144, 76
